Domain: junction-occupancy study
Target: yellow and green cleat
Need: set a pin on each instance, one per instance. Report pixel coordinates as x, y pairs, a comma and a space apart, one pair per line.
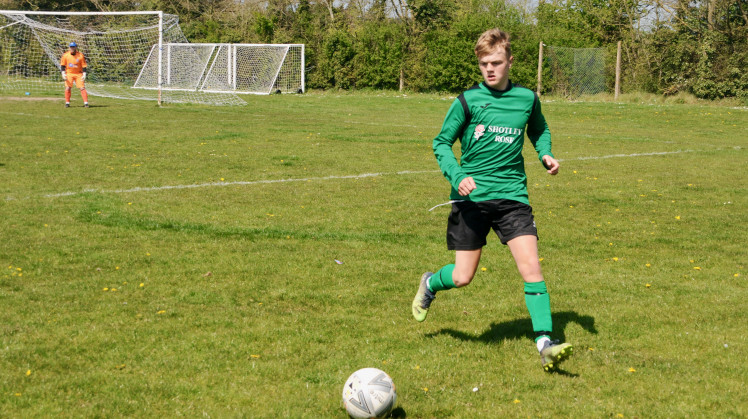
553, 353
423, 298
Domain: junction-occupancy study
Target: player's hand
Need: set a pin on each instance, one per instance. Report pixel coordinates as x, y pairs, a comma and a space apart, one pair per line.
551, 164
64, 76
467, 185
83, 77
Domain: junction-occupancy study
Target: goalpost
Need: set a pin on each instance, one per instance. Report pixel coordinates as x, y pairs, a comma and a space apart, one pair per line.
226, 68
117, 46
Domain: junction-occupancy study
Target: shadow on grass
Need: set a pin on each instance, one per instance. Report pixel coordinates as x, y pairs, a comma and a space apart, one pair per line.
399, 412
522, 328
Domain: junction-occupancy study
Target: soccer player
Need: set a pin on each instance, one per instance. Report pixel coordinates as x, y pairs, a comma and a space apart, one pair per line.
73, 66
489, 186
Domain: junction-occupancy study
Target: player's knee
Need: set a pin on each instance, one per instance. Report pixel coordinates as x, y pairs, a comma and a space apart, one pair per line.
462, 279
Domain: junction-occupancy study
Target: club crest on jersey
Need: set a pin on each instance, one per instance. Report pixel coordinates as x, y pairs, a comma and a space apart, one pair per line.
479, 130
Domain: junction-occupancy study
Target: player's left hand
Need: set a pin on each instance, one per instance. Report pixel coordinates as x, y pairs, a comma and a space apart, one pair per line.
551, 164
83, 77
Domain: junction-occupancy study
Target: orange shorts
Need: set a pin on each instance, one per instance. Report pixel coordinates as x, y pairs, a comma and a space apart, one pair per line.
74, 78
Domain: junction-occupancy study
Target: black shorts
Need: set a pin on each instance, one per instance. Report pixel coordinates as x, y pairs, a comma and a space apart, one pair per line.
470, 222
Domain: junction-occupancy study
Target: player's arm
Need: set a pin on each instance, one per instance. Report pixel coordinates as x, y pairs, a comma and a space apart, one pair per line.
85, 67
64, 73
540, 137
442, 145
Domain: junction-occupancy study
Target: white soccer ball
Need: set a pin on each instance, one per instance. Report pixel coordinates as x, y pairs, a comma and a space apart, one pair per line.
369, 393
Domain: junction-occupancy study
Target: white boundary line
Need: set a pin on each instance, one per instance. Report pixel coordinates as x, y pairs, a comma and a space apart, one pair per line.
309, 179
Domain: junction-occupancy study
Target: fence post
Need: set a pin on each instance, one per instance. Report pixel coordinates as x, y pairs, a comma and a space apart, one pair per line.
618, 71
540, 68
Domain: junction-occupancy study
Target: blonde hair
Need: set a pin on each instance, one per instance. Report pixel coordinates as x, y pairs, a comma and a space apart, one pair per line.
490, 40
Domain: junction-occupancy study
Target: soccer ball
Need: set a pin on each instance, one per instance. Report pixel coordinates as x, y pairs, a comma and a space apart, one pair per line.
369, 393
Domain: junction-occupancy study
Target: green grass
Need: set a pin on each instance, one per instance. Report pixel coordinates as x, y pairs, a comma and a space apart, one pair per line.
225, 299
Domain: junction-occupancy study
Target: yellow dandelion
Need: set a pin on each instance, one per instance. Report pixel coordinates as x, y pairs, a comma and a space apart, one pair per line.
483, 269
142, 285
620, 415
691, 260
417, 367
677, 217
161, 312
632, 369
254, 356
105, 289
648, 265
591, 349
648, 285
615, 259
425, 389
515, 401
697, 268
540, 259
28, 372
736, 275
17, 394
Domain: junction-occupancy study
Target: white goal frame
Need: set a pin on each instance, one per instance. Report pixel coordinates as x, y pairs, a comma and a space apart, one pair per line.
160, 15
220, 68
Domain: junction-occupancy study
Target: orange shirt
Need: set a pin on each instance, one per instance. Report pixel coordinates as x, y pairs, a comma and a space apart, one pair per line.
74, 64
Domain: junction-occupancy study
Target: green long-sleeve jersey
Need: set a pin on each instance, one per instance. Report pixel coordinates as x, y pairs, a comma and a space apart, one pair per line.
491, 126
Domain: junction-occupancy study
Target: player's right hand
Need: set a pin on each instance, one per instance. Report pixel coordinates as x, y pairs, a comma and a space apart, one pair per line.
64, 76
467, 186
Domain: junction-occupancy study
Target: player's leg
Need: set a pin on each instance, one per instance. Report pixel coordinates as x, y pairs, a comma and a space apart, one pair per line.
525, 252
455, 275
84, 95
466, 234
516, 229
68, 87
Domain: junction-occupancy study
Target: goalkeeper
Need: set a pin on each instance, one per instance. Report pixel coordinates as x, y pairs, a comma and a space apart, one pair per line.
489, 186
73, 66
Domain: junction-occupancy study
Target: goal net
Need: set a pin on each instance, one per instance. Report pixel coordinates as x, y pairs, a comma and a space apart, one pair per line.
117, 46
226, 68
576, 71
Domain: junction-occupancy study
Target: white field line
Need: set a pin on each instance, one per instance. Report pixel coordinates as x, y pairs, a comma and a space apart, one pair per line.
309, 179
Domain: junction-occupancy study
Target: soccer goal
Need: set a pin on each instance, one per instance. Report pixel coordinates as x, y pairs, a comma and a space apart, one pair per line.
226, 68
117, 46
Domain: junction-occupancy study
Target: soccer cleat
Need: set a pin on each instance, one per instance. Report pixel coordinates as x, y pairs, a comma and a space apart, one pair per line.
423, 299
85, 105
67, 105
553, 353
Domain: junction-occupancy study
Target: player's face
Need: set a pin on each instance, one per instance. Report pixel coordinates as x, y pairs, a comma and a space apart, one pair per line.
73, 50
495, 68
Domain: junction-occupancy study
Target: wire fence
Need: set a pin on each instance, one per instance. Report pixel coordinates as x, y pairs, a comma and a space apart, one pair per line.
574, 72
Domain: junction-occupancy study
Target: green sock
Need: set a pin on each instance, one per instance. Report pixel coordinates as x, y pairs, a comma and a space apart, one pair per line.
442, 279
539, 305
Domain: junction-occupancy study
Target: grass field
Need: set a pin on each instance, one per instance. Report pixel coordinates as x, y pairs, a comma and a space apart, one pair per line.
184, 261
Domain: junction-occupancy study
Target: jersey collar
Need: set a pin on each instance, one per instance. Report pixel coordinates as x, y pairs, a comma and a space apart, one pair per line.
492, 90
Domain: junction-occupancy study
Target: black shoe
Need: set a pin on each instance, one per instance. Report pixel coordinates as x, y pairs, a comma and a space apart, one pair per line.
67, 105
